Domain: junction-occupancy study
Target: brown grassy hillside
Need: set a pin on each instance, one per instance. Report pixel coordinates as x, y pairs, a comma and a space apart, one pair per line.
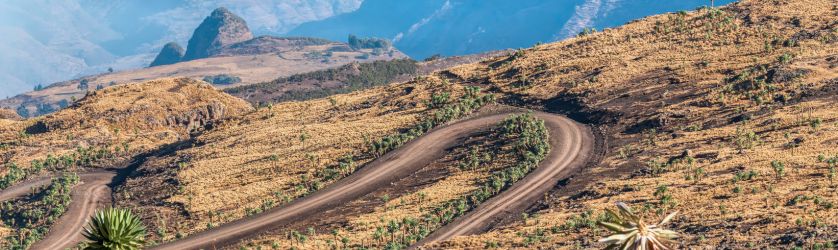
728, 116
123, 121
348, 78
695, 107
9, 114
269, 157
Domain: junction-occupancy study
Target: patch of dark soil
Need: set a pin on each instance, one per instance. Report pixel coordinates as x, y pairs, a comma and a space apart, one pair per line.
784, 75
37, 128
573, 107
131, 185
652, 123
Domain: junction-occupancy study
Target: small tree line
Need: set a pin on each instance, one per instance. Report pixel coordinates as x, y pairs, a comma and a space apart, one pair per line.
445, 112
33, 215
81, 157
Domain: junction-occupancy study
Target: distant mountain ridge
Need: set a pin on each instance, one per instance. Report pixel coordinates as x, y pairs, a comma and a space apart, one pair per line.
457, 27
52, 41
170, 54
224, 33
222, 47
220, 29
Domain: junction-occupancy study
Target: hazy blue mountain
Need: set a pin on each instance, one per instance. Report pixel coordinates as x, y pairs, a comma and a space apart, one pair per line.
170, 54
46, 41
219, 29
453, 27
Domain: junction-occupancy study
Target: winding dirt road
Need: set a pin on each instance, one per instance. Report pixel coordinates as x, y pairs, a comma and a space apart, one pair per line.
571, 145
92, 192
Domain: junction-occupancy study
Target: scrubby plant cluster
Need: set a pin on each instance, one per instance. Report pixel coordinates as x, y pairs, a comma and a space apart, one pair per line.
81, 157
368, 43
222, 79
32, 215
353, 77
445, 112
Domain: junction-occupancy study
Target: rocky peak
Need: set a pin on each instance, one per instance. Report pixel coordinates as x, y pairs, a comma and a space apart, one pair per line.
170, 54
219, 29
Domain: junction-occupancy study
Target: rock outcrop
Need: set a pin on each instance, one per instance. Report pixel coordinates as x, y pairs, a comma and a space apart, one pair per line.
220, 29
170, 54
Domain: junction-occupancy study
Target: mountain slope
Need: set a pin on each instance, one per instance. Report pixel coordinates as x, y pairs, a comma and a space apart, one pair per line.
727, 116
221, 47
457, 27
219, 29
170, 54
79, 38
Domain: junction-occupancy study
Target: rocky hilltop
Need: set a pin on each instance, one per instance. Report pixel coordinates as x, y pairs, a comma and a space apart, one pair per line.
221, 28
170, 54
222, 45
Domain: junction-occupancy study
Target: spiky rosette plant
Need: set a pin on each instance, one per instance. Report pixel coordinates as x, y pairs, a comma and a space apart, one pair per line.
631, 232
114, 229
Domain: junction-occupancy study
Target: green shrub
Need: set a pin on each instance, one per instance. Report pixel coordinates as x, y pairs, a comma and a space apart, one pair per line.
222, 79
368, 43
114, 229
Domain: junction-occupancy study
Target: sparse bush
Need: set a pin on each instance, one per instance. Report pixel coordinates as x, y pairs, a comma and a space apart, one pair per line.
785, 58
745, 139
368, 43
631, 232
815, 123
34, 214
586, 31
779, 169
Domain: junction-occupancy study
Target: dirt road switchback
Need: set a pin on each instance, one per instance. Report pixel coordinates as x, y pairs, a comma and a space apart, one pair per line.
571, 144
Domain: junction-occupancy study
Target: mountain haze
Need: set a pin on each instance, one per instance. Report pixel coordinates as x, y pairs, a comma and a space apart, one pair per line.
457, 27
56, 40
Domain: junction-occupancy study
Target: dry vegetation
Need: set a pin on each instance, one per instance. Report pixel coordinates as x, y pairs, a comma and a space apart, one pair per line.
408, 210
138, 117
108, 128
728, 116
410, 198
271, 156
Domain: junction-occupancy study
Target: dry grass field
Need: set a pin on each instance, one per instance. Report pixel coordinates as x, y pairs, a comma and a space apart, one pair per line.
727, 116
139, 116
369, 222
109, 128
270, 156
